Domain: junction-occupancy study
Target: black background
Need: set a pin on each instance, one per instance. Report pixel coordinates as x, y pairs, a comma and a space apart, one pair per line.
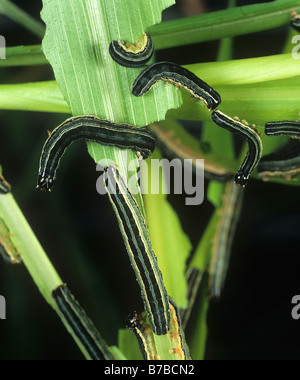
77, 229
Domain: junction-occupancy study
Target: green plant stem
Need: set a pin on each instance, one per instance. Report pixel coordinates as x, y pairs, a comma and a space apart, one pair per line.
247, 71
24, 56
15, 13
232, 77
226, 23
32, 254
38, 96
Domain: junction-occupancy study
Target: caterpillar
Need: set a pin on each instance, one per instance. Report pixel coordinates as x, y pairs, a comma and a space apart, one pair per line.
80, 324
91, 128
142, 331
283, 128
284, 163
132, 55
141, 254
255, 146
179, 76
